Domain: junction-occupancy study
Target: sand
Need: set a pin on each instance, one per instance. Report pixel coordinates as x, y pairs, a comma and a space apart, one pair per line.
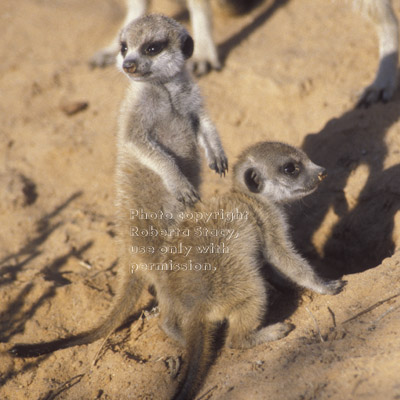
291, 73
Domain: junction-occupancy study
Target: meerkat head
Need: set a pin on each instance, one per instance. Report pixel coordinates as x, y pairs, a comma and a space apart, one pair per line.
153, 48
277, 171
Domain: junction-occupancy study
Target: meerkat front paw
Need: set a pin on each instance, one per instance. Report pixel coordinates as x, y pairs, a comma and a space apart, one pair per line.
187, 195
219, 163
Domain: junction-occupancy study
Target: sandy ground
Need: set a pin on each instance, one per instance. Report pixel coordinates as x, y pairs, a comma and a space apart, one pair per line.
291, 71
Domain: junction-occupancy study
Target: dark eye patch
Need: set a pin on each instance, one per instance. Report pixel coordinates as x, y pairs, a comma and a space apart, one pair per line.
154, 48
123, 48
253, 180
291, 169
194, 119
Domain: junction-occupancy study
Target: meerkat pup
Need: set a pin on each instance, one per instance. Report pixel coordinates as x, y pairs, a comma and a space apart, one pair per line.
222, 284
163, 119
162, 122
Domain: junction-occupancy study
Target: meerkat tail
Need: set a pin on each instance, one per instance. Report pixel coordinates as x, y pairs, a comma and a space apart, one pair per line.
119, 313
204, 341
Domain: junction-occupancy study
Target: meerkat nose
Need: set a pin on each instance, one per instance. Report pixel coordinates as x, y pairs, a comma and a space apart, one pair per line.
322, 174
129, 66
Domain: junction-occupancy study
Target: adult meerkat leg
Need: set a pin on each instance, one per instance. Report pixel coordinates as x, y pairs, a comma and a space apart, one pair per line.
384, 85
106, 56
205, 54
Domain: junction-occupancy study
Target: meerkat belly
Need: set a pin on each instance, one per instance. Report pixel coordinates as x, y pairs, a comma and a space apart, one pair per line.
177, 137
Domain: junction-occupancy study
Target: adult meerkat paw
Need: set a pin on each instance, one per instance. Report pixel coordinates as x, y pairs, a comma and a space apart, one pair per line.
103, 58
377, 92
202, 67
372, 95
219, 164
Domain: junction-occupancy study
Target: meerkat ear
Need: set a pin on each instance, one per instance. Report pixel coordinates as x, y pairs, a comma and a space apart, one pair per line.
253, 180
187, 46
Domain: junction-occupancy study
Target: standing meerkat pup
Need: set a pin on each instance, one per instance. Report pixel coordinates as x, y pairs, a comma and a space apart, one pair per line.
162, 122
162, 119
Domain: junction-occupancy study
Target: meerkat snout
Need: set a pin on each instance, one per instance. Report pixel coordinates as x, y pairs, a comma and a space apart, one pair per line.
322, 175
129, 66
317, 175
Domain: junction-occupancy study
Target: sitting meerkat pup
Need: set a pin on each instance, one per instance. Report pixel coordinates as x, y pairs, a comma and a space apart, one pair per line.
205, 293
223, 284
162, 122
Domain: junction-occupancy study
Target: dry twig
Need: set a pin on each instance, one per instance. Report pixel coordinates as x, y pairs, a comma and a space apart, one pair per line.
388, 311
208, 392
96, 357
367, 310
316, 325
65, 386
333, 317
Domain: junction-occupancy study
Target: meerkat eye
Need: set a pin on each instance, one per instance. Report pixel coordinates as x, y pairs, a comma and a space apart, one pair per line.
291, 169
124, 49
155, 48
